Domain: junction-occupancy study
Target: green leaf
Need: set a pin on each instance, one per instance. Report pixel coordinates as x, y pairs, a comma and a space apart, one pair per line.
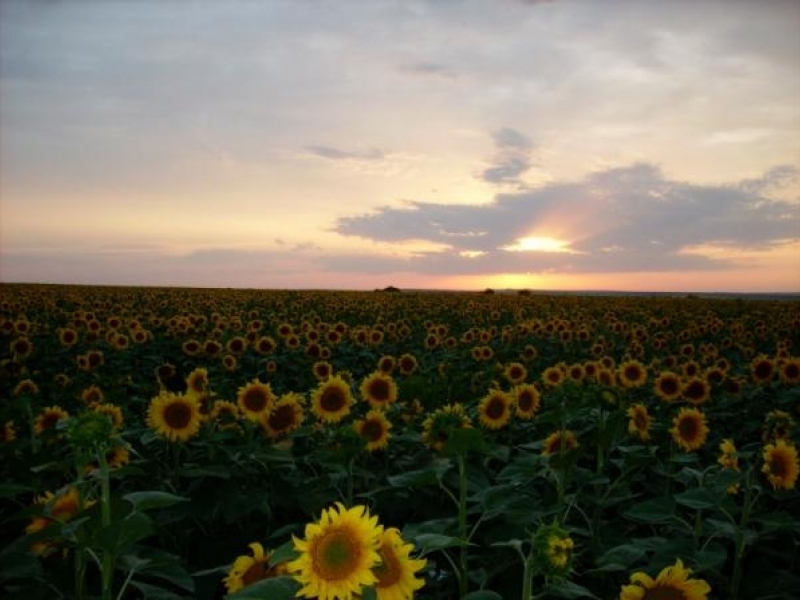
428, 542
123, 533
276, 588
698, 499
465, 440
153, 499
621, 557
9, 490
283, 553
568, 589
655, 510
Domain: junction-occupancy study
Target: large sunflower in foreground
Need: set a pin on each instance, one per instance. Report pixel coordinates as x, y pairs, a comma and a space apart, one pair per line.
689, 429
672, 583
379, 389
174, 416
249, 569
332, 400
255, 400
781, 464
494, 410
396, 571
337, 554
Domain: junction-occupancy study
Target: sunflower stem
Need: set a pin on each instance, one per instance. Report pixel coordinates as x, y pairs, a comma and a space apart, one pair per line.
80, 557
741, 542
105, 515
462, 524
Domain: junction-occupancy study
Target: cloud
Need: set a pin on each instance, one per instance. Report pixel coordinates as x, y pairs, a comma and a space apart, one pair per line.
623, 219
512, 157
337, 154
432, 69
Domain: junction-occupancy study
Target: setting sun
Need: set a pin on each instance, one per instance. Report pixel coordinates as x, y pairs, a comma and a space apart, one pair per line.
539, 244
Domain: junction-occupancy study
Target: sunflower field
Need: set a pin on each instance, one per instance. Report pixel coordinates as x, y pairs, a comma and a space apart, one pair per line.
186, 443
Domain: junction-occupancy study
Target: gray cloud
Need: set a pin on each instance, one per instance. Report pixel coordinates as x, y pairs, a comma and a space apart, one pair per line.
512, 157
624, 219
429, 69
337, 154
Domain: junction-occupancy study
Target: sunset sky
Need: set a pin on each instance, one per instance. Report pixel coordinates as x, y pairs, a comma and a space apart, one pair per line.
355, 144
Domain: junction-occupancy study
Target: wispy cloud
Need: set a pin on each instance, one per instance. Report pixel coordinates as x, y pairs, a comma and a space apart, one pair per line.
338, 154
512, 157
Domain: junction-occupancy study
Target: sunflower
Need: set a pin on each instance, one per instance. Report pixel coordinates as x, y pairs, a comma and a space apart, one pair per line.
515, 373
112, 411
554, 550
93, 395
689, 429
374, 428
668, 386
526, 400
553, 376
632, 374
672, 583
286, 416
48, 418
576, 373
174, 416
728, 458
229, 363
494, 409
249, 569
407, 364
640, 421
225, 415
212, 348
8, 433
781, 464
696, 390
762, 370
387, 363
778, 425
379, 389
338, 554
236, 345
255, 400
332, 400
197, 381
397, 571
67, 337
322, 370
555, 442
26, 386
789, 371
21, 348
191, 347
440, 424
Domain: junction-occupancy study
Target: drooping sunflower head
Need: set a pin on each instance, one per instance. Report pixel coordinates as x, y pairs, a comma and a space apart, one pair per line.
397, 571
689, 429
197, 381
781, 465
26, 387
494, 410
255, 400
640, 421
554, 548
48, 419
556, 442
778, 425
374, 428
113, 412
337, 554
286, 416
439, 426
175, 417
672, 583
379, 389
249, 569
526, 400
332, 399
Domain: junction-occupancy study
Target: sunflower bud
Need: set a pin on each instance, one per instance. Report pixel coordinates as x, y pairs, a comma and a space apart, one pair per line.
90, 430
554, 550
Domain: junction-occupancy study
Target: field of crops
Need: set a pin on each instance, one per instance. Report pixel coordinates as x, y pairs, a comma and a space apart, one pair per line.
177, 443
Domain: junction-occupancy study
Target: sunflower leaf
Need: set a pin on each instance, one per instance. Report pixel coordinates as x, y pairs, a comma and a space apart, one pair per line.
275, 588
153, 499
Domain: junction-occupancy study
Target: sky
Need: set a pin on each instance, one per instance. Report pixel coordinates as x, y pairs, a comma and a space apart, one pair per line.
439, 144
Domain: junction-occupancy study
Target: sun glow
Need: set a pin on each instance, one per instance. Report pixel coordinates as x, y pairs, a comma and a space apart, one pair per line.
539, 244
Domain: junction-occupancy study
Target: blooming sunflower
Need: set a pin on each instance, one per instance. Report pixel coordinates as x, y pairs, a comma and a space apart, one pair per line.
379, 389
789, 371
338, 554
689, 429
374, 427
8, 433
526, 400
174, 416
387, 363
407, 364
668, 386
396, 572
696, 390
249, 569
553, 376
515, 373
48, 418
632, 374
255, 400
781, 464
26, 386
93, 395
672, 583
197, 381
112, 411
494, 409
640, 421
762, 369
440, 424
225, 415
286, 416
555, 442
332, 400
